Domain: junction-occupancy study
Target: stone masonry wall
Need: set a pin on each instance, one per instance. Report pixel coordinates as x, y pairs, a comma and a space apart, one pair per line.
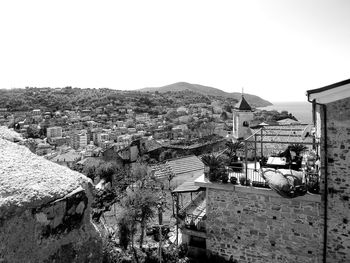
338, 139
259, 226
44, 210
60, 231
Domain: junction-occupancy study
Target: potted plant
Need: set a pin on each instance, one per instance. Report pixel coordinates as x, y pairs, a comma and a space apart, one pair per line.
233, 180
244, 181
224, 177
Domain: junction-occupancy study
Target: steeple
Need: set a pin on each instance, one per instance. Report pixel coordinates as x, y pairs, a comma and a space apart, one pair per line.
243, 104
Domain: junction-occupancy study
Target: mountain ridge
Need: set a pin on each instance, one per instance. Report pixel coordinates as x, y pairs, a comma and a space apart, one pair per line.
254, 100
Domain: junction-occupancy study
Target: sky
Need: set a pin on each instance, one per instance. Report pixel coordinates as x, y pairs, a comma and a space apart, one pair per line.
275, 49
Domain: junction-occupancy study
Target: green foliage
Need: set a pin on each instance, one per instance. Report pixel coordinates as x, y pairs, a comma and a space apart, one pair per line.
244, 181
231, 152
106, 171
33, 131
215, 165
141, 203
297, 148
89, 171
272, 116
126, 228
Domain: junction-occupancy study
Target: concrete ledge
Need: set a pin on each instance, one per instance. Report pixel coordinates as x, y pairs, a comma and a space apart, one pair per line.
204, 182
194, 233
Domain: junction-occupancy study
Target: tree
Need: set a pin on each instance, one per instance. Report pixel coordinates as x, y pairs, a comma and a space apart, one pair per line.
297, 148
126, 229
142, 203
232, 148
215, 165
106, 171
90, 171
33, 131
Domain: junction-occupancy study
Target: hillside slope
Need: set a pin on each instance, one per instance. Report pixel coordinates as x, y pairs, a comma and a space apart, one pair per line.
254, 100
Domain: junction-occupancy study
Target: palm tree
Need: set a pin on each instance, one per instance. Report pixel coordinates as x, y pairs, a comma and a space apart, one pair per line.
297, 148
232, 148
215, 164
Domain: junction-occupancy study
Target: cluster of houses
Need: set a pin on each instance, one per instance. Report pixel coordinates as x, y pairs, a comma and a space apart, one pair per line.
72, 135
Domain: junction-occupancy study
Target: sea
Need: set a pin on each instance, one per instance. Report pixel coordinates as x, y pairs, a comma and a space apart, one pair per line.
301, 110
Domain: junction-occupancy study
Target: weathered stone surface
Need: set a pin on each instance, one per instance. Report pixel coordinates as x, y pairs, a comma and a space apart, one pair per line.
275, 233
27, 180
44, 210
9, 135
338, 155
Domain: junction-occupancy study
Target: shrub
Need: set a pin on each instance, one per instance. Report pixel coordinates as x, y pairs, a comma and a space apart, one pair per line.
224, 177
233, 180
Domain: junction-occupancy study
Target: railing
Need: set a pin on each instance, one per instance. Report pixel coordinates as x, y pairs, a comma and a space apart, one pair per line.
196, 222
312, 180
246, 176
194, 202
193, 213
252, 177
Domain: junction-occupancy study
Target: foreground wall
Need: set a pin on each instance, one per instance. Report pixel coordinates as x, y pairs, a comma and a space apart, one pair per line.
338, 156
58, 231
257, 225
44, 210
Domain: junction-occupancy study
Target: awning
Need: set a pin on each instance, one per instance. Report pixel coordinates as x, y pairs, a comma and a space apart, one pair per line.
187, 187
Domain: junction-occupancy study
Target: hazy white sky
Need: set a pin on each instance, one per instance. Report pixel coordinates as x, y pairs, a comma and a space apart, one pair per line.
273, 48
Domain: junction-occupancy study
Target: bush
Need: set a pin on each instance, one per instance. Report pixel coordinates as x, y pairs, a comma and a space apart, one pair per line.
224, 177
233, 180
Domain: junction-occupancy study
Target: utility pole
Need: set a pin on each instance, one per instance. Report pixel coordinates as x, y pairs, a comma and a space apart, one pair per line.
160, 223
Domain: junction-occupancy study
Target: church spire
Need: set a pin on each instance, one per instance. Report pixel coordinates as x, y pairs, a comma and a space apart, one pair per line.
243, 104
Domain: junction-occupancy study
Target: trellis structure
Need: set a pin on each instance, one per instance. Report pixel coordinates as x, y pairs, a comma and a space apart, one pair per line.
275, 136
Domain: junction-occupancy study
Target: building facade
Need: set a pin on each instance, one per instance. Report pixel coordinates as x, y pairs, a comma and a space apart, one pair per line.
331, 112
54, 132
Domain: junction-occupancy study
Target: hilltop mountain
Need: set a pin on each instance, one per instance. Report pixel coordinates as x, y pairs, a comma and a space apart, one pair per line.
205, 90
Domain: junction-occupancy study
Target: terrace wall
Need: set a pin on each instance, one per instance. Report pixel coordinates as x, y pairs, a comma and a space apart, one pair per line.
250, 224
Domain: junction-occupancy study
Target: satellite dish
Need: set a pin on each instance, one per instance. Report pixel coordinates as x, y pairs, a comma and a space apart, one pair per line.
306, 132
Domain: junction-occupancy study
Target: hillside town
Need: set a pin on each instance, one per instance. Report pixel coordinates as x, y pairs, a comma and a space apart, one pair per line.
200, 182
67, 136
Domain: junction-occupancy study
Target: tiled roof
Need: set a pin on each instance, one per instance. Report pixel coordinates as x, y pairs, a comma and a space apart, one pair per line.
152, 145
178, 166
161, 170
186, 164
186, 187
243, 105
288, 121
70, 156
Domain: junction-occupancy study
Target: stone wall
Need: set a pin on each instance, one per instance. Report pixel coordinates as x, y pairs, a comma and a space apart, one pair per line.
59, 231
257, 225
338, 140
44, 210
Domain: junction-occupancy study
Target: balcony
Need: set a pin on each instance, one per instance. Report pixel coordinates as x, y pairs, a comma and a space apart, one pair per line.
192, 215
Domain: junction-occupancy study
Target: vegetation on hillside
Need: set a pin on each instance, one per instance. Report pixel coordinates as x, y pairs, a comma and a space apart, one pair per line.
69, 98
272, 116
210, 91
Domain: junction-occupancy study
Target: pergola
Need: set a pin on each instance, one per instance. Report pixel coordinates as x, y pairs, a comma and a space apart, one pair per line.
273, 138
